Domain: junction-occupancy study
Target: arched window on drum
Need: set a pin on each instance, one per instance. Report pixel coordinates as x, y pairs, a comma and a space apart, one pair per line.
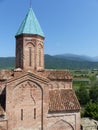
30, 55
40, 55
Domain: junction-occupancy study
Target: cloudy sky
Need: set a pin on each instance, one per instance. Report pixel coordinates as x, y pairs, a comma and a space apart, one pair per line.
70, 26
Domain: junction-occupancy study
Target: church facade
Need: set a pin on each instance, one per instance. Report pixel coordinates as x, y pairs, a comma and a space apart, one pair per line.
31, 97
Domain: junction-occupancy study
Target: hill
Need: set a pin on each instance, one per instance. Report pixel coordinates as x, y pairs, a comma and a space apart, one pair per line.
77, 57
7, 62
55, 62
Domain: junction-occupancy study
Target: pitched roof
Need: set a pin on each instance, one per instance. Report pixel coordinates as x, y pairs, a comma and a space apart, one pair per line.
5, 74
18, 75
30, 25
58, 74
63, 100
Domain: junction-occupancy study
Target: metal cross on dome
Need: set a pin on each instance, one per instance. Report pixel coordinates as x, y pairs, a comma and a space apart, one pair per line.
30, 3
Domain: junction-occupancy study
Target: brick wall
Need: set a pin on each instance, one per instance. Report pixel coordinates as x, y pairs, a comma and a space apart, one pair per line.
30, 52
63, 121
24, 104
27, 105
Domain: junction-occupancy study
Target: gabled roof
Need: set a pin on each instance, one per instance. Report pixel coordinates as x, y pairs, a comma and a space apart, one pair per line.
57, 74
63, 100
23, 76
30, 25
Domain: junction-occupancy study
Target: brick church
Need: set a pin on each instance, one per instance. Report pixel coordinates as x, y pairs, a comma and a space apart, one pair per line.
32, 97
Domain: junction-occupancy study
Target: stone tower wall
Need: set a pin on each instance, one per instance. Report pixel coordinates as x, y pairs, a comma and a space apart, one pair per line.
30, 52
25, 102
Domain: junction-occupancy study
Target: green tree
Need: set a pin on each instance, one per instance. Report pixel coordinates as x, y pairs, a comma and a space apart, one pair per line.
94, 91
91, 110
83, 95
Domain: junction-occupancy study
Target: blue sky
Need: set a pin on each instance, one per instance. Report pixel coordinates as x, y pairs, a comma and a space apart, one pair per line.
70, 26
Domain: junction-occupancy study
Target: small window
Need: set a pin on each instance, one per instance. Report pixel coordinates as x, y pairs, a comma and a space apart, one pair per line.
40, 57
30, 56
34, 113
21, 114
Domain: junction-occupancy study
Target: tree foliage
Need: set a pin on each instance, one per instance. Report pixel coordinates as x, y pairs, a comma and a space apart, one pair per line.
94, 91
83, 95
91, 110
7, 62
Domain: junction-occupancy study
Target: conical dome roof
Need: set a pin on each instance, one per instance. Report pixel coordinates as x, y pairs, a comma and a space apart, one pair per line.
30, 25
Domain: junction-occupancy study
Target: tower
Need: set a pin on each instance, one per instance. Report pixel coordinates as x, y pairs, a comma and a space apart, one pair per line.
30, 44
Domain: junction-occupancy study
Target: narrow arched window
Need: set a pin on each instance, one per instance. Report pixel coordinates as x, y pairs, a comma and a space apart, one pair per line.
34, 113
30, 56
21, 114
40, 57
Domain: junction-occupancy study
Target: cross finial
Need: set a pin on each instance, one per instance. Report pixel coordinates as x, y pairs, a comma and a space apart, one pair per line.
30, 3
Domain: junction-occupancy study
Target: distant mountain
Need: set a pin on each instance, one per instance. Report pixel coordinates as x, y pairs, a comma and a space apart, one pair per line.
77, 57
95, 58
58, 62
7, 62
66, 61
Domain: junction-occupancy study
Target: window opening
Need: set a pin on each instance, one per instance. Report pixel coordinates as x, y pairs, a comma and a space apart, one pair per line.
34, 113
21, 114
40, 57
30, 56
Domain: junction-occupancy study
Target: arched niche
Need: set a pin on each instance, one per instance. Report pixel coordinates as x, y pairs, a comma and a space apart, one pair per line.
27, 104
61, 125
30, 54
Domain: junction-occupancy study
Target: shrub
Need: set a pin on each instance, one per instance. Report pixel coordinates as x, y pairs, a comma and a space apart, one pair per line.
91, 110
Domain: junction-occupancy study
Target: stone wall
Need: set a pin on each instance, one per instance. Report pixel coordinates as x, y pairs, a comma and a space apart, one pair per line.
24, 104
3, 124
62, 121
27, 105
30, 52
89, 124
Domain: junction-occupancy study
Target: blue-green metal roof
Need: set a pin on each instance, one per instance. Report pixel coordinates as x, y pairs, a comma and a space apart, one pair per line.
30, 25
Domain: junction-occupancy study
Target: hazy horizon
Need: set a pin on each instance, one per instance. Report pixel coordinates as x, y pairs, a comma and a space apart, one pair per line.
59, 54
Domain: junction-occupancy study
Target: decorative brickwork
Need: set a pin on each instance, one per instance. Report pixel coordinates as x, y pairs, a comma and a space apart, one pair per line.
29, 52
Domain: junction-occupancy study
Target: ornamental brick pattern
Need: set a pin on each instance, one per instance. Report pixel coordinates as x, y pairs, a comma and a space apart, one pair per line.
35, 101
30, 52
